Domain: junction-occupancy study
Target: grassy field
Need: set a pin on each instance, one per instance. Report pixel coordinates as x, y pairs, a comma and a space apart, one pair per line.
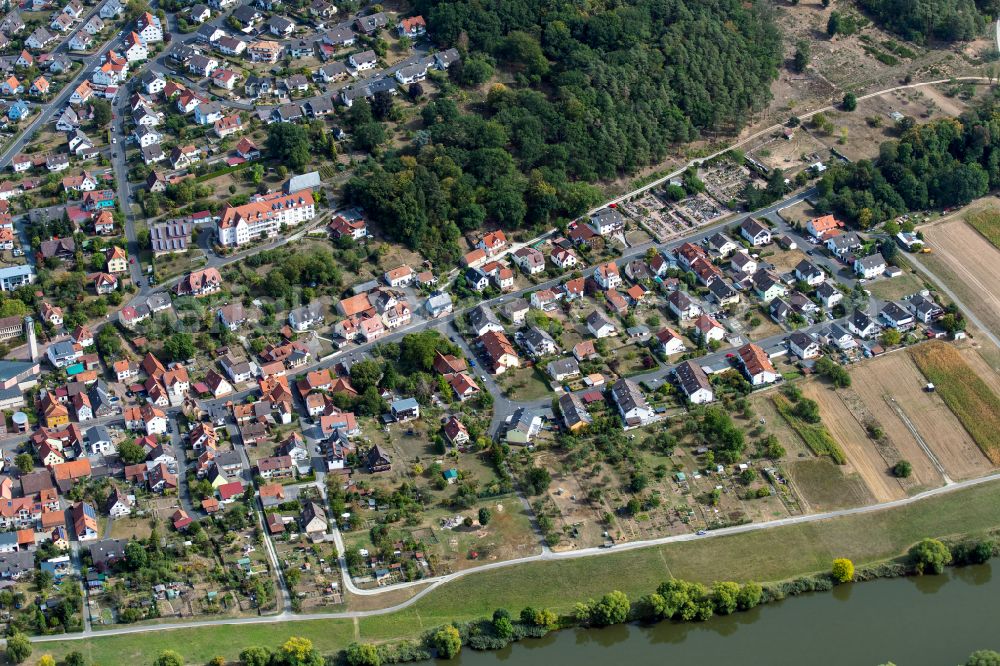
815, 435
764, 555
891, 289
525, 384
986, 222
824, 486
965, 393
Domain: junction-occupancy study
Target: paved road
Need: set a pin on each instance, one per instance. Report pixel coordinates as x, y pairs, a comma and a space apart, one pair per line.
122, 177
546, 556
50, 109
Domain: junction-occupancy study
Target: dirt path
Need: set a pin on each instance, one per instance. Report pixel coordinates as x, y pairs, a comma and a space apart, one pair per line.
860, 450
868, 383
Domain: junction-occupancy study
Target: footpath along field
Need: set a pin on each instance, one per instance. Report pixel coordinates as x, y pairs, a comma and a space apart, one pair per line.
965, 393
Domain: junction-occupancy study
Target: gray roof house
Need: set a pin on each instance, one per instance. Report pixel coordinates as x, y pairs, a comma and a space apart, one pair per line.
306, 317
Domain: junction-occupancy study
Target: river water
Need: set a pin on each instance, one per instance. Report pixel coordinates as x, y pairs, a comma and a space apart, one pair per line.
928, 621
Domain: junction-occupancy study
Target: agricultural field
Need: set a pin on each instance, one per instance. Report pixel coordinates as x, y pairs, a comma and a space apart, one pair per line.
824, 486
986, 222
968, 264
893, 389
862, 457
972, 400
889, 436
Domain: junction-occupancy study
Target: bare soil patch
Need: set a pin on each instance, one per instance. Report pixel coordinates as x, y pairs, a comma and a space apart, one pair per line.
861, 454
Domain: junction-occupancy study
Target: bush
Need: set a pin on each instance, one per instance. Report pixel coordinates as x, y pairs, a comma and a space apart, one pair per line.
447, 642
362, 654
930, 556
903, 469
843, 570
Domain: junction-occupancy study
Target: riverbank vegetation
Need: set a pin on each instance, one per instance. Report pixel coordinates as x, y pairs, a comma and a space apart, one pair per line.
673, 599
869, 539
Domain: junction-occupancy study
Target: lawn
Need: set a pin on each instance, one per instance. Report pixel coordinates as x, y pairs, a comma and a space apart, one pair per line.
525, 384
200, 645
986, 222
965, 393
815, 435
773, 554
892, 289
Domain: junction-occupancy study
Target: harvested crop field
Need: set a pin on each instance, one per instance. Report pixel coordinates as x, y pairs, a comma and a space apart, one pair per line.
980, 365
871, 388
893, 388
969, 264
862, 457
969, 397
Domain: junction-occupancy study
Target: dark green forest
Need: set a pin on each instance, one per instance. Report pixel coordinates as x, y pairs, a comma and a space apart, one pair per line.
920, 20
945, 163
597, 94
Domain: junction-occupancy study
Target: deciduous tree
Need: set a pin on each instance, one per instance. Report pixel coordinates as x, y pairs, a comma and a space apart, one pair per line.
930, 556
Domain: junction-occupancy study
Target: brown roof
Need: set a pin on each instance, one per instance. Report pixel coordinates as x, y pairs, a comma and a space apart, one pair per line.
74, 469
755, 359
447, 364
275, 490
274, 463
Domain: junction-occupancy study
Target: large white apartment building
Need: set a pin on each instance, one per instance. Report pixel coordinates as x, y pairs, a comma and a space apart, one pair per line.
263, 217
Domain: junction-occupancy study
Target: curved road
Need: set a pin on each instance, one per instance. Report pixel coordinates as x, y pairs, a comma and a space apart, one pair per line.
545, 556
